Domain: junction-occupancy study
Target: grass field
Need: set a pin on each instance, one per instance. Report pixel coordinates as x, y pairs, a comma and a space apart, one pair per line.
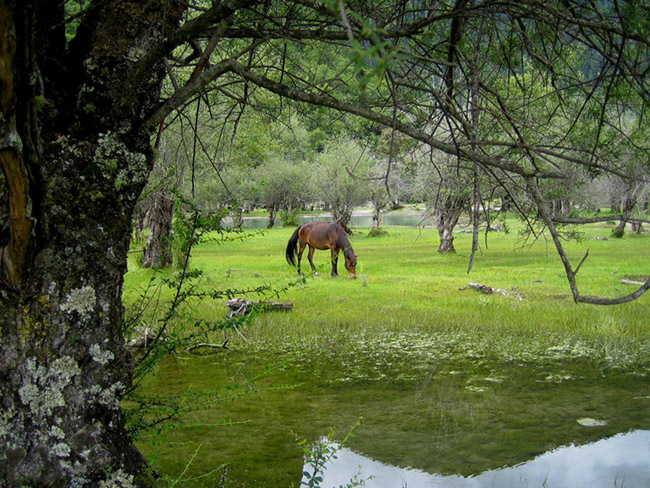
407, 292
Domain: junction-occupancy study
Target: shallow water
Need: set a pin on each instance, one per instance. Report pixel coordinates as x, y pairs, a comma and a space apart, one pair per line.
424, 419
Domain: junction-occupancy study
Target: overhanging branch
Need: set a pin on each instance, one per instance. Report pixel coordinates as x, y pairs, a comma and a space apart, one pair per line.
570, 273
386, 120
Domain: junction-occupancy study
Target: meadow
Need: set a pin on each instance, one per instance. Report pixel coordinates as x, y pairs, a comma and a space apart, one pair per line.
406, 287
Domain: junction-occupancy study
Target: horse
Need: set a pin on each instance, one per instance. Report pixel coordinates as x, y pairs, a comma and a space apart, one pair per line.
322, 235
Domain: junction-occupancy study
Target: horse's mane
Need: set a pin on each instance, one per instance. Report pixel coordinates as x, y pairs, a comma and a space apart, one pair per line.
343, 242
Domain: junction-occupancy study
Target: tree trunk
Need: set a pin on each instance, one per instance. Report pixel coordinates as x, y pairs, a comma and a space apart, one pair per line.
343, 215
446, 233
73, 172
446, 221
237, 217
272, 211
376, 216
63, 363
627, 207
158, 248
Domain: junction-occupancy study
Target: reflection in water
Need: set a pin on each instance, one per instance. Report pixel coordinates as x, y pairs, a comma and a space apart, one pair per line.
620, 461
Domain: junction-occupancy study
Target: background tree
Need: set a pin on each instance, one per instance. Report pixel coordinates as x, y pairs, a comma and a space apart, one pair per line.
382, 187
157, 204
336, 186
284, 186
446, 187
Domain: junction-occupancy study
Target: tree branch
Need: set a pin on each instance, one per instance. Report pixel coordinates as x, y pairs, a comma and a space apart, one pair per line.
570, 273
592, 220
615, 301
328, 101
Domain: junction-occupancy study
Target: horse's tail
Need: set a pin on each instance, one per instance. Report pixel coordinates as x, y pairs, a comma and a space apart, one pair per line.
292, 248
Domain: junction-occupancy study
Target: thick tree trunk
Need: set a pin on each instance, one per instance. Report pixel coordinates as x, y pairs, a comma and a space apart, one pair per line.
63, 363
73, 171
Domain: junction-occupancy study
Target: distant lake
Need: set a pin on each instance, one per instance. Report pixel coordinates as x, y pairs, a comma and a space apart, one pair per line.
358, 220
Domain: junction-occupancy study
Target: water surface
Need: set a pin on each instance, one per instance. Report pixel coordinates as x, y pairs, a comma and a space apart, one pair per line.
358, 220
426, 418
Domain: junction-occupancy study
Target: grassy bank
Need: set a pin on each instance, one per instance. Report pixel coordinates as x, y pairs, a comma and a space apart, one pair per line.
411, 299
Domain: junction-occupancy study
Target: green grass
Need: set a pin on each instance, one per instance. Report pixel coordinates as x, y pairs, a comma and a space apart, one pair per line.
405, 288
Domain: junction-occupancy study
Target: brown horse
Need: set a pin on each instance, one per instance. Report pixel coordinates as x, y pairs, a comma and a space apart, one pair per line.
322, 235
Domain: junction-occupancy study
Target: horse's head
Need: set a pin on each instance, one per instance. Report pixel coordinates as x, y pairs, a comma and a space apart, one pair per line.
350, 262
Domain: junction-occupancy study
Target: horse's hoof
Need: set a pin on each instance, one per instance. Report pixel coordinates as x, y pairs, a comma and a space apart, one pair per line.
316, 273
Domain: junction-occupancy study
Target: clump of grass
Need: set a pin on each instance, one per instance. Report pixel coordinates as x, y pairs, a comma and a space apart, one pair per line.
378, 232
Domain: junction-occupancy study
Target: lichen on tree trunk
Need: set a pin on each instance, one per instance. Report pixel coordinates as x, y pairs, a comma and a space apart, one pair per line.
64, 365
72, 175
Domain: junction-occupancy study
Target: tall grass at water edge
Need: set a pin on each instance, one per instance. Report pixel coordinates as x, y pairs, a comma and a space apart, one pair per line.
410, 297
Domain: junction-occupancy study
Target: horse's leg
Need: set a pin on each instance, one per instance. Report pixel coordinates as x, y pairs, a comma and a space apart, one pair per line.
310, 256
335, 259
302, 249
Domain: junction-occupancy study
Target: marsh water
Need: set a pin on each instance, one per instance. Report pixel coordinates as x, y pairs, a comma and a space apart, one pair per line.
399, 415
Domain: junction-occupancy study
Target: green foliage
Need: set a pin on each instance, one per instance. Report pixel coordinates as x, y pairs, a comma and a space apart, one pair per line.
289, 219
341, 177
74, 9
285, 185
190, 227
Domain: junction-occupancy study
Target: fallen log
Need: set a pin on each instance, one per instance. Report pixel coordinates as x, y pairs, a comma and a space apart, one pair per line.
632, 282
486, 289
240, 306
207, 345
514, 292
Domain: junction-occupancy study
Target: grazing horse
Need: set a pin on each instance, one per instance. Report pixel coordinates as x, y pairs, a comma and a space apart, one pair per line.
322, 235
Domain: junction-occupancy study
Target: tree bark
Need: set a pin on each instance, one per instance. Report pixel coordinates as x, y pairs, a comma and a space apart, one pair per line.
158, 248
446, 219
73, 172
629, 203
